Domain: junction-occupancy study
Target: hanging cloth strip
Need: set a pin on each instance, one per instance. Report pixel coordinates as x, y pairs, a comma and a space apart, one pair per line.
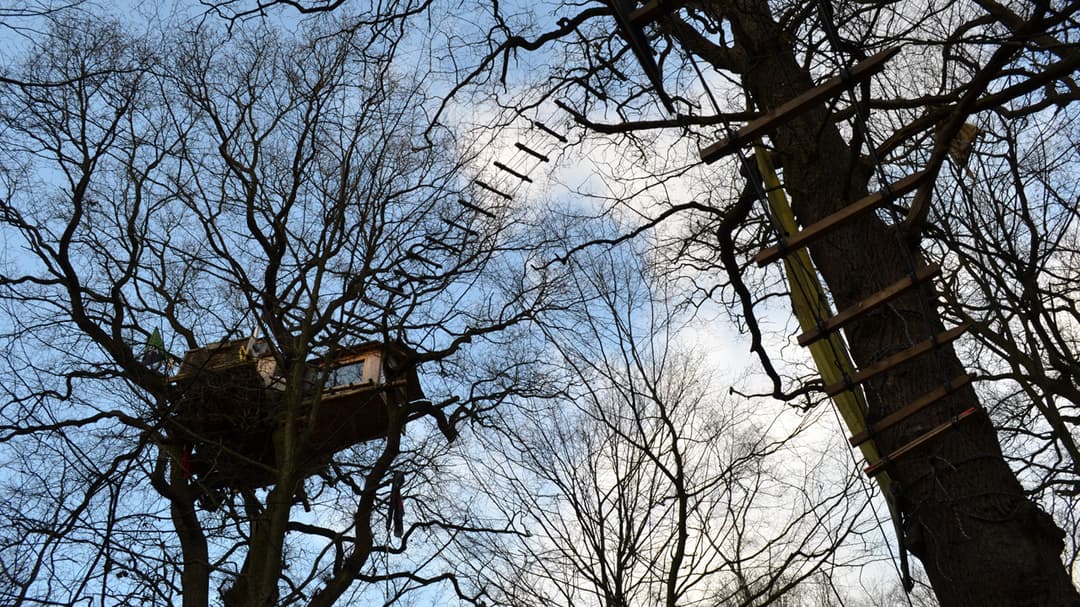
396, 515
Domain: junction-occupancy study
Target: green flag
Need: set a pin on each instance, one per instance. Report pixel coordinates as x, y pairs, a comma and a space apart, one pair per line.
155, 349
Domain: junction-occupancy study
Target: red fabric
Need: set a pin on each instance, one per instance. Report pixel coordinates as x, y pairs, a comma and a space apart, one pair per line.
185, 461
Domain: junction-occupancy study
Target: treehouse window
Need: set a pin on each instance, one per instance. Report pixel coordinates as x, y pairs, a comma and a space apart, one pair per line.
350, 373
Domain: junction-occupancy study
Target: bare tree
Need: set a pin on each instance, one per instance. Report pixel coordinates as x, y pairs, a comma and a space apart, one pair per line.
1009, 228
304, 185
639, 483
982, 540
257, 188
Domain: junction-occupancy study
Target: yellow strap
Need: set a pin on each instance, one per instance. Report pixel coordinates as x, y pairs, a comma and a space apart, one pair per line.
808, 301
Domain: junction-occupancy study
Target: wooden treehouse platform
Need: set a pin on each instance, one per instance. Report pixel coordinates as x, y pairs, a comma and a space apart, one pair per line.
229, 403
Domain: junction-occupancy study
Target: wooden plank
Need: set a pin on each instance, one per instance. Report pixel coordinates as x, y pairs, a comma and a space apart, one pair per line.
601, 95
544, 127
911, 408
872, 302
466, 229
653, 10
900, 357
473, 207
801, 104
531, 152
880, 465
520, 176
817, 230
424, 260
492, 189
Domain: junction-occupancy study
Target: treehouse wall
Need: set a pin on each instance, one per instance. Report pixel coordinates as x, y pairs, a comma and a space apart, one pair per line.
228, 406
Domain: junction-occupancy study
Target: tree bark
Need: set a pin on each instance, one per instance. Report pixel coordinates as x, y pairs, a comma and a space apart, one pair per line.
968, 520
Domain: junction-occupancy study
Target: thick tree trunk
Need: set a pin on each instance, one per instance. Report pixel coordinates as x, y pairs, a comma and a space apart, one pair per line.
195, 572
980, 539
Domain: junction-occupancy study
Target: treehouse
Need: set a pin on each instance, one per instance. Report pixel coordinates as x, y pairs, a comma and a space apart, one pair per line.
230, 401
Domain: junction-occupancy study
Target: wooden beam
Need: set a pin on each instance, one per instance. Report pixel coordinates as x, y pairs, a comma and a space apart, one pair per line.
520, 176
492, 189
801, 104
880, 465
900, 357
911, 408
872, 302
466, 229
546, 129
817, 230
473, 207
531, 152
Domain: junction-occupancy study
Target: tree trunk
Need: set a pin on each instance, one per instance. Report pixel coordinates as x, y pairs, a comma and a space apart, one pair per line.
980, 539
195, 571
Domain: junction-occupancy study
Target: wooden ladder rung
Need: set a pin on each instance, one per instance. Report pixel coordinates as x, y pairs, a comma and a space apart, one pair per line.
799, 105
466, 229
872, 302
879, 466
473, 207
548, 130
817, 230
911, 408
531, 152
492, 189
900, 357
520, 176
